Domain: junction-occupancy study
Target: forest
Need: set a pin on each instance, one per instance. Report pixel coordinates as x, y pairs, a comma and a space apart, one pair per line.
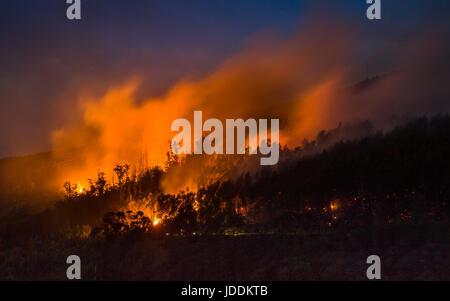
327, 202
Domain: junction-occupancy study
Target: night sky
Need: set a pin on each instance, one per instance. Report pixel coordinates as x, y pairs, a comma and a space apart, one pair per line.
45, 58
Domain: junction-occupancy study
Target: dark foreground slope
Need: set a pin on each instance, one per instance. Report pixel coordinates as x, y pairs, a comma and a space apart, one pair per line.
407, 253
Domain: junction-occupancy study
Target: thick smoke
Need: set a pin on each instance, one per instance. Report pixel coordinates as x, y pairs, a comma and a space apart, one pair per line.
303, 81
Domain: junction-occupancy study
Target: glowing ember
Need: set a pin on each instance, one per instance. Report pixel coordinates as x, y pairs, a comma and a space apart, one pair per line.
334, 206
80, 188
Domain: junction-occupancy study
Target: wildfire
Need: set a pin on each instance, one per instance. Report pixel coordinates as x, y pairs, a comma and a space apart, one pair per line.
156, 222
117, 127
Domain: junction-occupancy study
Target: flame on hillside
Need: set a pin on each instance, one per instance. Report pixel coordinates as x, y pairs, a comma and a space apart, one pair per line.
298, 81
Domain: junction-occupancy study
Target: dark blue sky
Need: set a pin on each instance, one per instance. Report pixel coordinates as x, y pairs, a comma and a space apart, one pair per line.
44, 57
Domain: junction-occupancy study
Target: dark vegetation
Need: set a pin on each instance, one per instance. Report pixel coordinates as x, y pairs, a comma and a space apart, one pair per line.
386, 192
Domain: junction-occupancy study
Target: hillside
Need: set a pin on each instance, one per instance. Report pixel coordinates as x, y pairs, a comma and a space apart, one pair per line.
387, 194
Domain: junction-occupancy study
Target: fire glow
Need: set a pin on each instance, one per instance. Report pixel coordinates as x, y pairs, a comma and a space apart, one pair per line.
297, 81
